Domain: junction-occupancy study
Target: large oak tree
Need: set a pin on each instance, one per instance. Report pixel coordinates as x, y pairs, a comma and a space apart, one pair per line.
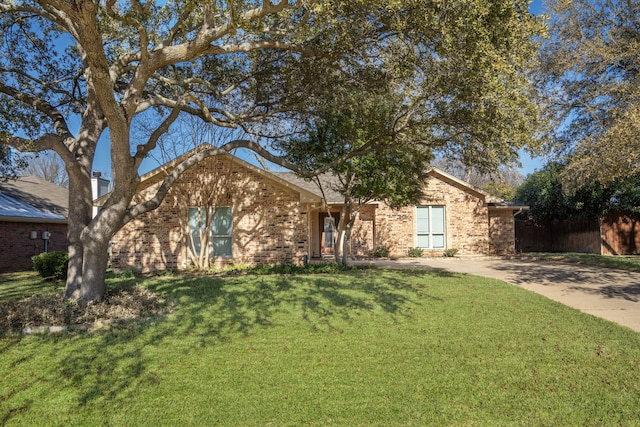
73, 71
591, 71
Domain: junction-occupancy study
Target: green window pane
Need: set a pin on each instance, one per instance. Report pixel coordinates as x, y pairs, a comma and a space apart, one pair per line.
422, 219
222, 246
437, 220
438, 240
423, 240
221, 225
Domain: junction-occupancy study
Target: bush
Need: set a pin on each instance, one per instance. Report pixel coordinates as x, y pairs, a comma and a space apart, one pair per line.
450, 252
415, 252
51, 265
381, 252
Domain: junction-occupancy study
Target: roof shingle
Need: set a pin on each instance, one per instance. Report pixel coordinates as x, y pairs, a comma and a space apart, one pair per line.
33, 198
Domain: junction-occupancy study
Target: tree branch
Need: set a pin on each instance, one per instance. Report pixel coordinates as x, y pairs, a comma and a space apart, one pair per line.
47, 141
265, 44
203, 112
59, 122
143, 150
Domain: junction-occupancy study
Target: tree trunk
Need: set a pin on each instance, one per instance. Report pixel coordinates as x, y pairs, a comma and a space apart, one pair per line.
74, 271
80, 209
346, 242
346, 238
89, 237
337, 244
94, 269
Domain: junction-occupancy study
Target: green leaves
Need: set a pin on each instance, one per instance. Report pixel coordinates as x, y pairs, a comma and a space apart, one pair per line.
592, 76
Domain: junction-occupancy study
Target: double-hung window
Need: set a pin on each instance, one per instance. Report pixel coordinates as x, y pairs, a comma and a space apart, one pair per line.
217, 222
430, 227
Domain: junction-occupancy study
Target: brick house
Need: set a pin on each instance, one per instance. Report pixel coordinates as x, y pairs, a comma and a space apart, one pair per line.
33, 219
260, 217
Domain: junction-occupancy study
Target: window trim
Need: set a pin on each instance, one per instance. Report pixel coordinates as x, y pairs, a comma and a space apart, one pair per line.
430, 234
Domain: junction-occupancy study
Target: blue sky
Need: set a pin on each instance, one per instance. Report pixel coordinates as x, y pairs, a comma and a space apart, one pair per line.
102, 161
530, 165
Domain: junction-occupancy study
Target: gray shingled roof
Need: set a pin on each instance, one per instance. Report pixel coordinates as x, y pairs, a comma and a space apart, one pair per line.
329, 182
30, 198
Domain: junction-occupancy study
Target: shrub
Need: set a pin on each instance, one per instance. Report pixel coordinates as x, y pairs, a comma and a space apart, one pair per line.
51, 265
381, 252
415, 252
450, 252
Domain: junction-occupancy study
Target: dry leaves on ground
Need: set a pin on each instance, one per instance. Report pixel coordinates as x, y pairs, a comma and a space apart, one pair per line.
43, 310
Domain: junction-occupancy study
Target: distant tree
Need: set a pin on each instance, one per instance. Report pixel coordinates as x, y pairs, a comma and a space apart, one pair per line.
48, 166
189, 133
543, 192
625, 194
501, 182
591, 75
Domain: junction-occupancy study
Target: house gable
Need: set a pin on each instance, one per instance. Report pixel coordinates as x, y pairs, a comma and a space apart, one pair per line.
269, 217
462, 222
155, 177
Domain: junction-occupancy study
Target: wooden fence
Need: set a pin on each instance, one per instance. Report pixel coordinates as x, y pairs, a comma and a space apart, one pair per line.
620, 233
617, 233
557, 236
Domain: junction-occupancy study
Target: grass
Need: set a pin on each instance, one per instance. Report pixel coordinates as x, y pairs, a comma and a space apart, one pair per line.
26, 283
346, 348
621, 262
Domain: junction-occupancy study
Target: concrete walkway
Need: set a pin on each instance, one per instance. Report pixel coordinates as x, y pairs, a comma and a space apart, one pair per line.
611, 294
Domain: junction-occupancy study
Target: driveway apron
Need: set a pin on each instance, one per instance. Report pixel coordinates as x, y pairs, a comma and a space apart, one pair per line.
611, 294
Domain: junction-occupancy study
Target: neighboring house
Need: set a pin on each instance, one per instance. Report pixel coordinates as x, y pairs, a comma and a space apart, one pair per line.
33, 219
264, 218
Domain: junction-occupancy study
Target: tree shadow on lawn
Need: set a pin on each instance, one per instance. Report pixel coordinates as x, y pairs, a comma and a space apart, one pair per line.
110, 366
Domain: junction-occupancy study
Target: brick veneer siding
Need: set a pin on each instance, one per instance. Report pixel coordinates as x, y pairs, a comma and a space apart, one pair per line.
466, 219
363, 232
18, 247
269, 223
502, 237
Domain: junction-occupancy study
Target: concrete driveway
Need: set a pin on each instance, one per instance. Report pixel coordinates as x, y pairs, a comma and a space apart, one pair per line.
611, 294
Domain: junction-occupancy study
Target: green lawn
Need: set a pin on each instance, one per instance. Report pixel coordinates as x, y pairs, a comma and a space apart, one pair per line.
621, 262
362, 347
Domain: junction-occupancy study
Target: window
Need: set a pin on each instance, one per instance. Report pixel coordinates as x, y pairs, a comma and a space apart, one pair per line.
430, 227
220, 229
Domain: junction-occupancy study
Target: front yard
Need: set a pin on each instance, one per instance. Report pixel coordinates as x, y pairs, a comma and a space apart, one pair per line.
356, 347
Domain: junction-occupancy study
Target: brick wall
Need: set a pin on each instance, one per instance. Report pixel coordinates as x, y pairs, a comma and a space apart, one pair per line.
269, 222
17, 247
363, 232
502, 238
466, 218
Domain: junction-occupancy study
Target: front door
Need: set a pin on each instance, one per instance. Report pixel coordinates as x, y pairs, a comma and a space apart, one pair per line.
328, 232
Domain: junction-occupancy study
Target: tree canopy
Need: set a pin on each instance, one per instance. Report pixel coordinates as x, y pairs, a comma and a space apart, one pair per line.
10, 164
544, 192
591, 75
392, 166
75, 71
